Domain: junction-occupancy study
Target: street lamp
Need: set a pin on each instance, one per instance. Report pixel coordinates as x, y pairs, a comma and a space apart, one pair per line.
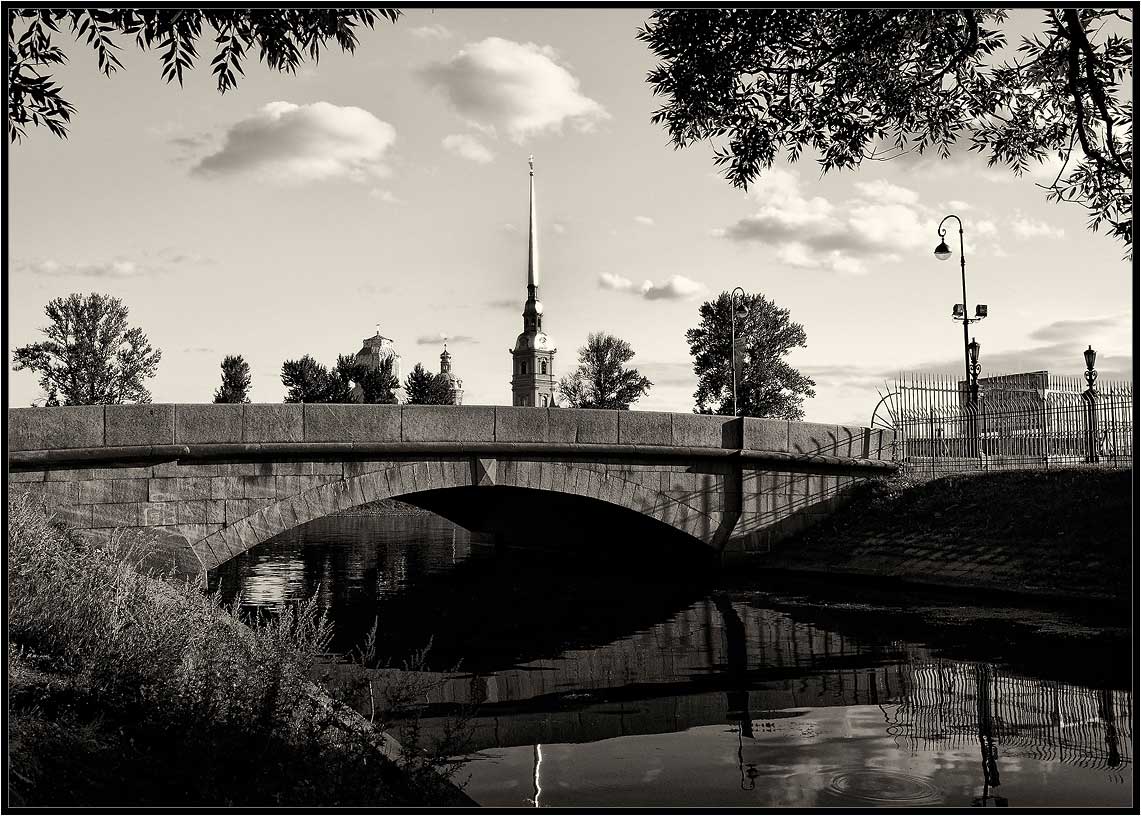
1091, 372
959, 312
973, 352
1090, 397
737, 309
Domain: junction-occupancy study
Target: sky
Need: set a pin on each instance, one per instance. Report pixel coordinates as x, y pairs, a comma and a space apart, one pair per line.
295, 214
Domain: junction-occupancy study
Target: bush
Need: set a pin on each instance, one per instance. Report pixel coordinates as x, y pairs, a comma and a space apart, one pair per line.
136, 691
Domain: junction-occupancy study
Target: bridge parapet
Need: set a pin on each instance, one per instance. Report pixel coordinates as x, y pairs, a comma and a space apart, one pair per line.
158, 426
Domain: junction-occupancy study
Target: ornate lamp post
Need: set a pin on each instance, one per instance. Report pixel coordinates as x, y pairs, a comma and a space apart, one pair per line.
736, 309
1090, 396
959, 312
973, 367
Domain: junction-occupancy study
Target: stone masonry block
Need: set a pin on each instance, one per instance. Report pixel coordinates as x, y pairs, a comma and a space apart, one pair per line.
448, 423
705, 431
129, 490
812, 438
273, 422
256, 487
765, 434
205, 424
121, 473
152, 514
115, 515
645, 428
517, 424
236, 510
562, 426
168, 489
64, 475
215, 511
191, 512
29, 476
595, 426
140, 424
78, 426
853, 441
171, 469
352, 423
95, 492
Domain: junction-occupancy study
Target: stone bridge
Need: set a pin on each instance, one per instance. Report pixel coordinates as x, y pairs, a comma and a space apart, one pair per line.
204, 483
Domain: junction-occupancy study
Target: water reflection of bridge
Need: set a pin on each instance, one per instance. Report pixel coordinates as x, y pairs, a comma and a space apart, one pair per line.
717, 662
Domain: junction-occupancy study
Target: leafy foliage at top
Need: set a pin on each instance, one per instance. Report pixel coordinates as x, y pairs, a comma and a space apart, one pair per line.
283, 38
424, 387
873, 84
235, 380
91, 356
602, 379
306, 380
767, 386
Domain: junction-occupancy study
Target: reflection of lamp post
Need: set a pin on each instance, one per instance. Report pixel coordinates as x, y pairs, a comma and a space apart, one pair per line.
736, 309
1090, 396
959, 312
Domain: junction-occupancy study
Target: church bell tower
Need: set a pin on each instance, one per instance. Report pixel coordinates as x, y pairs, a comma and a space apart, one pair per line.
533, 358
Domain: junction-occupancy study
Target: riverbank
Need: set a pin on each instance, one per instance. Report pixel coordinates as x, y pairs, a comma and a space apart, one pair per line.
1063, 534
126, 691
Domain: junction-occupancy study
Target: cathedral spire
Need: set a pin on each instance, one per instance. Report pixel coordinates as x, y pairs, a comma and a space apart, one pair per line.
532, 240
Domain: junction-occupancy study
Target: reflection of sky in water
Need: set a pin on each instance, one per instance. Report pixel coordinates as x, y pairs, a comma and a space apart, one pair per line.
839, 756
636, 695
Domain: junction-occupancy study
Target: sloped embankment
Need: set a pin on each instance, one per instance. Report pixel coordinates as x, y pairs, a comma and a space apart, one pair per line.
1062, 533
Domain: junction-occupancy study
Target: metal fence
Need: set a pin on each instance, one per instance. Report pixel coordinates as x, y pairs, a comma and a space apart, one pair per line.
1033, 420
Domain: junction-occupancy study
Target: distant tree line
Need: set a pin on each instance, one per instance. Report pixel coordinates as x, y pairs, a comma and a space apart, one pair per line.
91, 356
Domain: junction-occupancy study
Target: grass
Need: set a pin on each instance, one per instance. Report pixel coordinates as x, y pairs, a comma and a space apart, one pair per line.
129, 691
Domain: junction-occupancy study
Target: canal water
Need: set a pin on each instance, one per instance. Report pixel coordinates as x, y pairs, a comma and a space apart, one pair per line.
614, 677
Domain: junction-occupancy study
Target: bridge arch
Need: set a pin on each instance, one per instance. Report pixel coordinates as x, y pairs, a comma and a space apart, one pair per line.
405, 480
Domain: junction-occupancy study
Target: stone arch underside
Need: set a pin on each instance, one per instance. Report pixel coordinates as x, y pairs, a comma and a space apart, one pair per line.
406, 479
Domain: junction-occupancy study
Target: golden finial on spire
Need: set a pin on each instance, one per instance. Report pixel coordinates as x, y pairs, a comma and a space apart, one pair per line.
531, 163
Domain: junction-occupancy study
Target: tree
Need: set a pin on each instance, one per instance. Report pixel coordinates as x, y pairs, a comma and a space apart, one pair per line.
873, 84
424, 387
377, 385
235, 380
306, 380
767, 386
602, 379
284, 38
91, 357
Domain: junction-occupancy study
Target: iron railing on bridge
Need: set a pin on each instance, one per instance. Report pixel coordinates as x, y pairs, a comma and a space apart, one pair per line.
1034, 420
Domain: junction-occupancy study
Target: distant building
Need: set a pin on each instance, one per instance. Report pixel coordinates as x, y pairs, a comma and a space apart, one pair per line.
533, 358
377, 349
455, 384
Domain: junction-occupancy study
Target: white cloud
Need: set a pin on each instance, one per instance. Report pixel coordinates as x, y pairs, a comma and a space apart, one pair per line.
608, 280
1025, 227
676, 287
440, 337
114, 268
432, 32
955, 204
558, 228
383, 195
985, 227
644, 220
468, 147
290, 143
887, 192
518, 89
879, 224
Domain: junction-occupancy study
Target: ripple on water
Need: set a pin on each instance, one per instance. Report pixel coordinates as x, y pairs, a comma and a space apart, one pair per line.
871, 786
